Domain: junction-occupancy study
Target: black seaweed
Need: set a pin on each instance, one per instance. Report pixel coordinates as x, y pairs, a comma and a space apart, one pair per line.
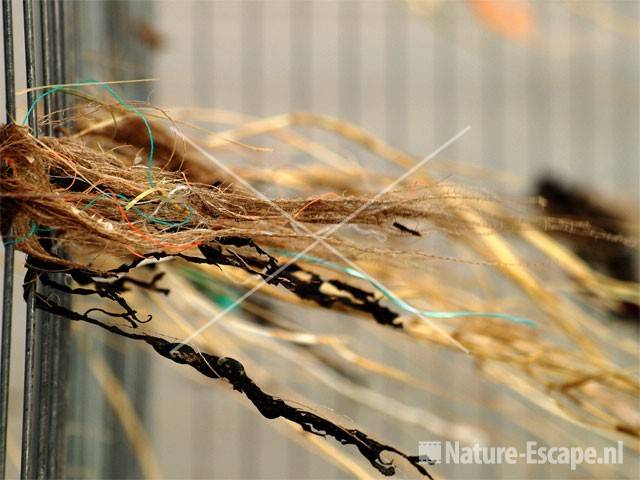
233, 371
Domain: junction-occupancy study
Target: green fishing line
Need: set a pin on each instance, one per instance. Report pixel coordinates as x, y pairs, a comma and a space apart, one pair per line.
22, 238
398, 301
127, 106
210, 287
34, 226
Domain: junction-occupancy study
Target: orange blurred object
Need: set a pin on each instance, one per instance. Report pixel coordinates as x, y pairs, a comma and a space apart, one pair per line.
511, 18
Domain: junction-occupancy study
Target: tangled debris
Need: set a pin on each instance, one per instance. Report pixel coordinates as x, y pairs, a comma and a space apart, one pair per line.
209, 365
97, 201
86, 197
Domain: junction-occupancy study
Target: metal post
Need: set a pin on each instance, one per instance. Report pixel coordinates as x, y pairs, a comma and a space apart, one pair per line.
29, 459
7, 281
46, 336
59, 343
44, 321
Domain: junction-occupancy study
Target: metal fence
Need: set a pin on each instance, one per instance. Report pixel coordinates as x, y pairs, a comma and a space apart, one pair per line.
45, 352
43, 41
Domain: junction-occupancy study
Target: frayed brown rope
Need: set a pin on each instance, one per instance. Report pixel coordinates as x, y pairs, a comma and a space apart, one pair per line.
97, 203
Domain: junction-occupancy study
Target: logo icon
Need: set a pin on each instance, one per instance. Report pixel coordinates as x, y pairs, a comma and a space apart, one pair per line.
430, 452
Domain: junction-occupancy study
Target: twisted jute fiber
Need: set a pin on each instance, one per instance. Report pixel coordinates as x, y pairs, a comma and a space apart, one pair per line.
97, 202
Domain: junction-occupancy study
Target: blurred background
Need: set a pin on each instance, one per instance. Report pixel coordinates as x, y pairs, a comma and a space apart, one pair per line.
549, 89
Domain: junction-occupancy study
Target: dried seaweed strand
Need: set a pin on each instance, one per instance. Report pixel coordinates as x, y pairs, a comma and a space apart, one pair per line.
230, 369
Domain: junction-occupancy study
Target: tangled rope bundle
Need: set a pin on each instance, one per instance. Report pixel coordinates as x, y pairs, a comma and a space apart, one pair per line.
97, 200
93, 203
98, 203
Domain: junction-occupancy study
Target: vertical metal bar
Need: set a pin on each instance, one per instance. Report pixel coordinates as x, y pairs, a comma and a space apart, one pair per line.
45, 45
59, 326
30, 59
9, 72
29, 412
7, 281
58, 47
44, 320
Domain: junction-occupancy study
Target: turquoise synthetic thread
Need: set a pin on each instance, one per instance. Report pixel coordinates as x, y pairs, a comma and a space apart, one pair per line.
15, 241
150, 179
204, 283
34, 226
121, 101
398, 301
